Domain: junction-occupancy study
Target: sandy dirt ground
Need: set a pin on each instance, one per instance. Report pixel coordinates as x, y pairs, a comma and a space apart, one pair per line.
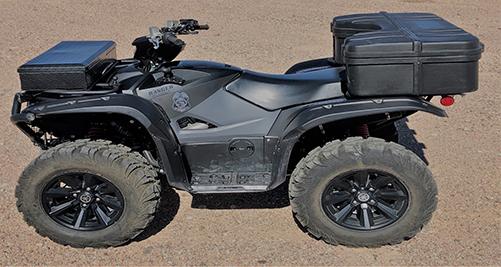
464, 149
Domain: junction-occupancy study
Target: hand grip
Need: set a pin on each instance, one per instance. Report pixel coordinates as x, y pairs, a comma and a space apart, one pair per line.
203, 27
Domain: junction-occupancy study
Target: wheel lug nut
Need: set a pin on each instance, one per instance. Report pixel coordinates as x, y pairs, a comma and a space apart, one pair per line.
371, 189
372, 202
75, 195
355, 202
353, 190
85, 205
88, 189
97, 199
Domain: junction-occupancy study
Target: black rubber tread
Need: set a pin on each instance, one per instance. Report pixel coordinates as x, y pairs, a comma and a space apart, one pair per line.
128, 170
336, 157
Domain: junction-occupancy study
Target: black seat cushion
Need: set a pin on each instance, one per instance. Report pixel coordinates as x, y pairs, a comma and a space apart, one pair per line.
276, 91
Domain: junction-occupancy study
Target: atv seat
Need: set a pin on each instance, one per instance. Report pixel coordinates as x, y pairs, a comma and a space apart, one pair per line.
276, 91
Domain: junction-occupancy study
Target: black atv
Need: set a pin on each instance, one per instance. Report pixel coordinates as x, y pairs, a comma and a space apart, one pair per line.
114, 132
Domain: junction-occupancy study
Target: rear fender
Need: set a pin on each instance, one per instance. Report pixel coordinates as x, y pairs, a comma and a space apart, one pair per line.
340, 109
142, 110
316, 114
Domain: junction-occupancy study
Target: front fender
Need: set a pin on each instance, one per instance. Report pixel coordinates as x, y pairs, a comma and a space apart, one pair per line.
140, 109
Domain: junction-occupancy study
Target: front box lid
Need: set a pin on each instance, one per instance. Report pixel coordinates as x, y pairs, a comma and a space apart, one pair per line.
69, 55
394, 35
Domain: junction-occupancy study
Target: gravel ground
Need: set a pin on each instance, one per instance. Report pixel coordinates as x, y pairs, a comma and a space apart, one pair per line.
464, 149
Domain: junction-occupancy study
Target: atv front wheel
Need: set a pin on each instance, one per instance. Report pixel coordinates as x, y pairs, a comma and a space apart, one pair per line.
89, 194
362, 192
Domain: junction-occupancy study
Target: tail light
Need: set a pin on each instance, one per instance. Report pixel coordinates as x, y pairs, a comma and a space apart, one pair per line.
447, 100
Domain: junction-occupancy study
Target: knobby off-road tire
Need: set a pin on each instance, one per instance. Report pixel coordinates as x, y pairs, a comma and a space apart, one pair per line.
323, 164
127, 171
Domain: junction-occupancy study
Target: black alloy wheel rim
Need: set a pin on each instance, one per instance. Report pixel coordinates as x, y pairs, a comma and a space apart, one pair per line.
365, 200
82, 201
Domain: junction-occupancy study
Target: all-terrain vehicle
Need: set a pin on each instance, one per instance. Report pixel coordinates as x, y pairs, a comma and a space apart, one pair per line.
115, 132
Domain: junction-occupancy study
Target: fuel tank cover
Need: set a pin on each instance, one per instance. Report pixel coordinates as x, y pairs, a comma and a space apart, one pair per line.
241, 148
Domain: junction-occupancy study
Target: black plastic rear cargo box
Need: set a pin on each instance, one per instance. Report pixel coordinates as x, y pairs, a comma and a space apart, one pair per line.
72, 65
405, 54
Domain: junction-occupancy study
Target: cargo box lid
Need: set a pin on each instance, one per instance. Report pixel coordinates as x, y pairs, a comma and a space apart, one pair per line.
400, 35
70, 55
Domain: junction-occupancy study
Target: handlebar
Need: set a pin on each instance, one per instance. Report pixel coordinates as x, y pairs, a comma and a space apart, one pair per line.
168, 33
184, 26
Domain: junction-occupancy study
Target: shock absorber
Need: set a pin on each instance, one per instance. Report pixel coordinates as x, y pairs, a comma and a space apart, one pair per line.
95, 132
363, 130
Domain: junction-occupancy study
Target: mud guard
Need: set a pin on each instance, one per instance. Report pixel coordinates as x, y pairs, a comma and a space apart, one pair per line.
330, 111
319, 113
144, 111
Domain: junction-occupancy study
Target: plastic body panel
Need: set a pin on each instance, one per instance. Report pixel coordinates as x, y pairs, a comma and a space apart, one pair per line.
234, 154
405, 54
232, 116
142, 110
239, 163
76, 65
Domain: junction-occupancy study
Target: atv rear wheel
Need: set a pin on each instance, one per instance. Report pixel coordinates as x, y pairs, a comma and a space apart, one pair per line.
362, 192
89, 194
